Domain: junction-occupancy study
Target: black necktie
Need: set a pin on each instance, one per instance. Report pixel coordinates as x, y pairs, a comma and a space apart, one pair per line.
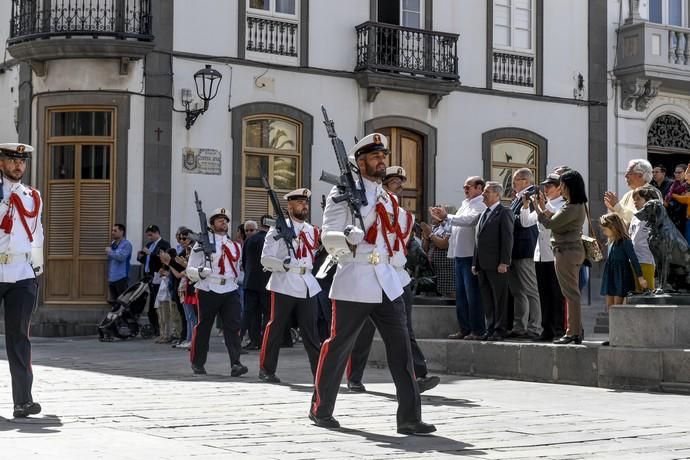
484, 216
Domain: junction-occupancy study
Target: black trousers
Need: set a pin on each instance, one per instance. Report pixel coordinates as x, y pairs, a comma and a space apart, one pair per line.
323, 322
493, 287
153, 316
360, 352
115, 288
282, 308
347, 321
551, 298
256, 307
19, 299
227, 306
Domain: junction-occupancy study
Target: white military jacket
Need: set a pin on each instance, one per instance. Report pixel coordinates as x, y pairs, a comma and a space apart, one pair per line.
227, 251
298, 281
17, 230
367, 274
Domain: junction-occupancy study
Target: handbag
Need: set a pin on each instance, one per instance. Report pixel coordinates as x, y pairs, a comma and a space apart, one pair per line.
593, 251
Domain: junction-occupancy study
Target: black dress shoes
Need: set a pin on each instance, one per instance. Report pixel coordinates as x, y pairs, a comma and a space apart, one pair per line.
416, 428
496, 337
427, 383
543, 338
238, 369
268, 378
566, 339
198, 369
26, 409
324, 422
356, 387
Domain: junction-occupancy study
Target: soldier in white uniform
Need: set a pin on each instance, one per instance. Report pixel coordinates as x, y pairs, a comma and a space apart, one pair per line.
292, 286
393, 184
366, 284
21, 261
218, 294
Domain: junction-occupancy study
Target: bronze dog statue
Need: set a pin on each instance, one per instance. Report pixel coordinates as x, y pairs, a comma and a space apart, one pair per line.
667, 244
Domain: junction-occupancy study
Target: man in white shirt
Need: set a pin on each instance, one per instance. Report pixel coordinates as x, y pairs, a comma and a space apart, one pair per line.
468, 303
292, 286
21, 261
550, 295
367, 284
216, 282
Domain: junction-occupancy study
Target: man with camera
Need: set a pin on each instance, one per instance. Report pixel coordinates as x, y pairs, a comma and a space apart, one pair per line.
522, 278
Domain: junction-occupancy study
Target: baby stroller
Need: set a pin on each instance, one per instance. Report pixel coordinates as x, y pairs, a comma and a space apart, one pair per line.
123, 320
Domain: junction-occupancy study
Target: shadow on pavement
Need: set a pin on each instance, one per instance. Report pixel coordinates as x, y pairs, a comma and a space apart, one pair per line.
33, 425
416, 444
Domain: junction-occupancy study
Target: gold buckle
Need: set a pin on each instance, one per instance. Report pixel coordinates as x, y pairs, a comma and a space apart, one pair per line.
222, 281
4, 258
374, 258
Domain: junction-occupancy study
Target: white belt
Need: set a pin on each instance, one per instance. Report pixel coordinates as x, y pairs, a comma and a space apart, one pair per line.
373, 258
221, 281
13, 258
298, 270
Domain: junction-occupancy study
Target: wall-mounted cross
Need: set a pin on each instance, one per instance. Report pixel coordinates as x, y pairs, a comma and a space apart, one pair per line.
158, 132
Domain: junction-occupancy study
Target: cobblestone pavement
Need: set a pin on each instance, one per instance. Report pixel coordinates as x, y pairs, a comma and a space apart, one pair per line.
138, 400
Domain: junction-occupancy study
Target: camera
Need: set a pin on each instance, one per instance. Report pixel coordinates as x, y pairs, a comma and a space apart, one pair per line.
531, 191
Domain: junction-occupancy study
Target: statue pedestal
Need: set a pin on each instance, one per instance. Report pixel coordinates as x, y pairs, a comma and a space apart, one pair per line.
661, 321
650, 344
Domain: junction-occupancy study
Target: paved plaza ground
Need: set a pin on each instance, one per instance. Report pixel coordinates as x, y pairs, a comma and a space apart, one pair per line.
138, 400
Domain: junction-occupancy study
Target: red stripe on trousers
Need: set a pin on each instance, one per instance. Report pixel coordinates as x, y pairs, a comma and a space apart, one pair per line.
322, 357
192, 349
267, 331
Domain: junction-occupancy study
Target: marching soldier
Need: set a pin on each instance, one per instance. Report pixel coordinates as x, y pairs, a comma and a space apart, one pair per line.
218, 295
392, 183
292, 286
366, 284
21, 261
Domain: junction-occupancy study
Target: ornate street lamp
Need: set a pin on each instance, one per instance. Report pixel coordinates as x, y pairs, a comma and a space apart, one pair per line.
207, 82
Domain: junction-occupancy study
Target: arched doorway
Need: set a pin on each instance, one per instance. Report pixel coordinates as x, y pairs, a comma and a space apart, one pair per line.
668, 142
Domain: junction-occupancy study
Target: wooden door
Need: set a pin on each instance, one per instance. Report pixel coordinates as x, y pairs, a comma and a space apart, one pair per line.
79, 205
407, 150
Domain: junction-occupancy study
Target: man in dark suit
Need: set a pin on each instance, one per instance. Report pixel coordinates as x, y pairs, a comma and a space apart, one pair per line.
256, 296
492, 256
149, 257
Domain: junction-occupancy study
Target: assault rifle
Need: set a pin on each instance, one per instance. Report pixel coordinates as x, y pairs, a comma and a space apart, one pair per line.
349, 175
202, 238
283, 230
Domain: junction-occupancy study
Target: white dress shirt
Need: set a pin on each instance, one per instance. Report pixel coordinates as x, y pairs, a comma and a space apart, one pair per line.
216, 282
543, 252
463, 223
17, 244
355, 280
301, 285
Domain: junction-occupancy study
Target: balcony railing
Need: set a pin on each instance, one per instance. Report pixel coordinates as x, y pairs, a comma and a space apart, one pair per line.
679, 46
122, 19
272, 36
513, 69
385, 47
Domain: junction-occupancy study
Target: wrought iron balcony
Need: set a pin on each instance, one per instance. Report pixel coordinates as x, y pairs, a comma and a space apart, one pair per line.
272, 36
385, 47
651, 56
41, 30
124, 19
406, 59
513, 69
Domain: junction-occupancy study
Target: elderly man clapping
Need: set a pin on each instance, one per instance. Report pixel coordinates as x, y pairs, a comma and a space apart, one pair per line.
638, 174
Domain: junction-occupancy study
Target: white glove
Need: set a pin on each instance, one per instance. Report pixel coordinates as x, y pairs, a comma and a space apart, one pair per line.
37, 260
286, 263
353, 235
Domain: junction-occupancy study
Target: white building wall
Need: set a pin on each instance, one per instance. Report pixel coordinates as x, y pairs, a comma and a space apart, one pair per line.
332, 35
206, 27
565, 47
9, 101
